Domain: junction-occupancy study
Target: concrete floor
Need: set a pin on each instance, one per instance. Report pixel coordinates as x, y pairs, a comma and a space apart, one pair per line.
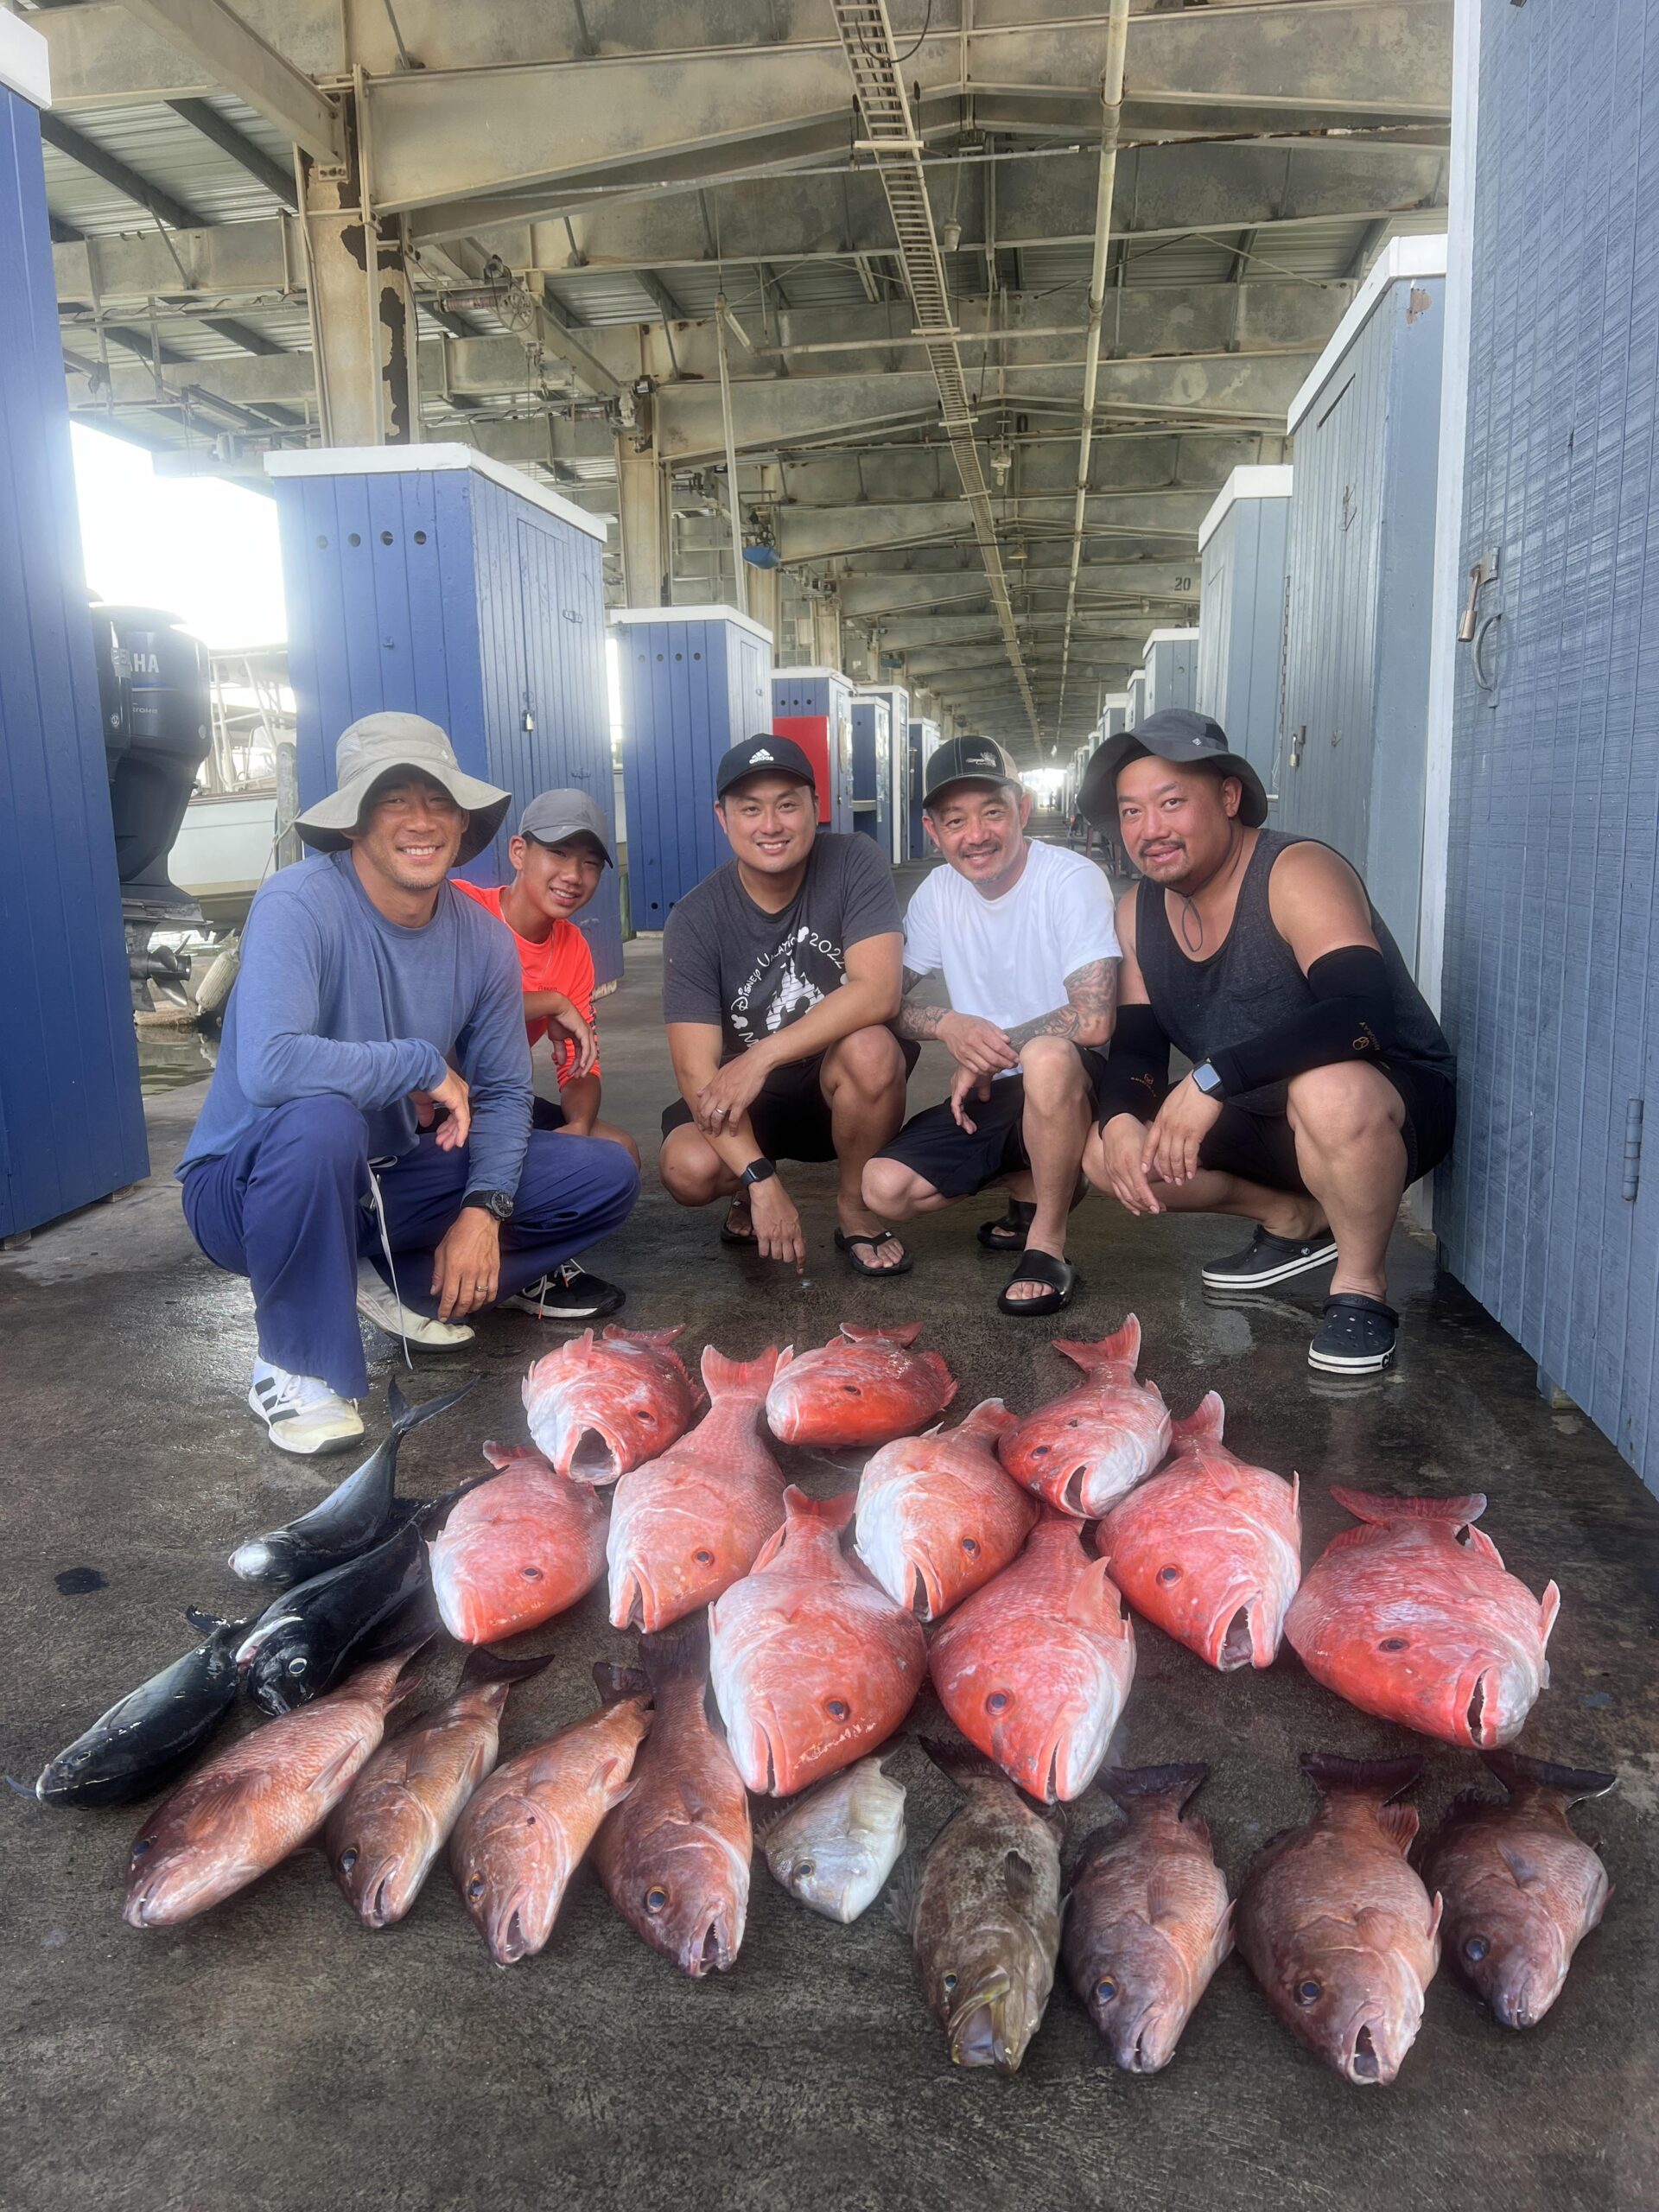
275, 2056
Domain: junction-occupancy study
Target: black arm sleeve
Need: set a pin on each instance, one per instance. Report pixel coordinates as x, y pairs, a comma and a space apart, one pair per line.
1137, 1072
1351, 1018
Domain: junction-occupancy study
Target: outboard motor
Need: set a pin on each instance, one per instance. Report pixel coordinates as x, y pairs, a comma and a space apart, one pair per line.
154, 694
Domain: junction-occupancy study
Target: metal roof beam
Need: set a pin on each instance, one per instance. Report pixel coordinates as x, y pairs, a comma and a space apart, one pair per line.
213, 127
98, 162
237, 60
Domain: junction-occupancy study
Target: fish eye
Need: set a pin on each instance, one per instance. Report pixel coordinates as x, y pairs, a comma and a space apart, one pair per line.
1393, 1643
530, 1574
475, 1888
948, 1984
804, 1871
703, 1557
348, 1859
655, 1898
297, 1666
145, 1843
837, 1708
1309, 1992
1475, 1950
1106, 1989
998, 1701
970, 1546
851, 1390
1168, 1574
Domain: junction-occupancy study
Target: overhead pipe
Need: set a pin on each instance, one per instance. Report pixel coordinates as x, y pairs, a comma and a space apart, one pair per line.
740, 583
1111, 97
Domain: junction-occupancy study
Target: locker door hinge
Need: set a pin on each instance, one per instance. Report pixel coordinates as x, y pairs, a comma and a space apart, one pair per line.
1632, 1148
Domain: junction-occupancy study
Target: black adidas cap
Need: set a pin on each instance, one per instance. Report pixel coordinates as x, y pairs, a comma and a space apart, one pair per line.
764, 755
966, 761
1177, 735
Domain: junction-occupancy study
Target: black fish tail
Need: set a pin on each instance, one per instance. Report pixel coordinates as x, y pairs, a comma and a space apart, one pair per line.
484, 1665
1379, 1778
673, 1654
428, 1514
405, 1417
614, 1683
1126, 1783
1515, 1771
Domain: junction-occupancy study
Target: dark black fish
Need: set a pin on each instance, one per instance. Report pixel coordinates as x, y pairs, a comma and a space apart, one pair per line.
301, 1644
350, 1518
146, 1738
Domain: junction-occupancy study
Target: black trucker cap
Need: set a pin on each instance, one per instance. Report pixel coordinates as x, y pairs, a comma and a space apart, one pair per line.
764, 755
1176, 735
966, 761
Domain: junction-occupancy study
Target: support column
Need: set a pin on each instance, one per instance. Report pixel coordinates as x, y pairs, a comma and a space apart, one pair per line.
362, 304
765, 598
642, 521
826, 632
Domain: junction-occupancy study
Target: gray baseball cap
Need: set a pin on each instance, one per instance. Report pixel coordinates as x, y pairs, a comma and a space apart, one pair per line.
966, 761
553, 817
376, 746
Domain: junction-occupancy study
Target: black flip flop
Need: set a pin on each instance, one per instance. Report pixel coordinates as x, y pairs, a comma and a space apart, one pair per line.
1059, 1277
730, 1236
1009, 1234
874, 1239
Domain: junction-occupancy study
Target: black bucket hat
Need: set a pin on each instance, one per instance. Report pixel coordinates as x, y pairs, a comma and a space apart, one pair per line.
1179, 735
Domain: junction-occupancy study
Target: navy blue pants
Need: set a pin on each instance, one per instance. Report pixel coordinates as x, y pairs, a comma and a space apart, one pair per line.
287, 1208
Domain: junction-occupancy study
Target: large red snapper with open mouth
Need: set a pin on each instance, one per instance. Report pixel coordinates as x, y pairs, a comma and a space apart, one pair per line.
1405, 1619
517, 1550
937, 1517
1083, 1450
686, 1526
601, 1404
812, 1665
1034, 1667
864, 1386
1209, 1548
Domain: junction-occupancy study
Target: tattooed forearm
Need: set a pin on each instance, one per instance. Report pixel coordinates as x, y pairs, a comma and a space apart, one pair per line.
1088, 1014
917, 1021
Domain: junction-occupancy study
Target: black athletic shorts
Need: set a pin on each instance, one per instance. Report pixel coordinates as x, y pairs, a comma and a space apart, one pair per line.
790, 1116
1261, 1147
546, 1113
957, 1162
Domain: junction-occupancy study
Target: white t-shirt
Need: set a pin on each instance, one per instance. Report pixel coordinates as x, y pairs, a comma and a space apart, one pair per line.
1006, 959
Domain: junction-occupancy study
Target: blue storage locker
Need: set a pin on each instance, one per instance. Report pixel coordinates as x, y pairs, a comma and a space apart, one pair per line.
897, 702
1135, 709
813, 706
1170, 666
924, 737
1115, 716
1550, 1209
72, 1123
873, 769
695, 681
1243, 552
430, 578
1367, 427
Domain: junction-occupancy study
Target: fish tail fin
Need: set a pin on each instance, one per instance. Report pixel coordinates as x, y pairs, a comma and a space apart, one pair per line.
1202, 1426
1516, 1771
960, 1762
895, 1332
1380, 1779
1381, 1511
616, 1685
742, 1378
828, 1512
613, 1333
484, 1665
1130, 1783
675, 1654
1123, 1344
405, 1417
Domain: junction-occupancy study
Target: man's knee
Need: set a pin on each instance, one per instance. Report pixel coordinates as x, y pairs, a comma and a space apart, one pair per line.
1346, 1105
869, 1059
610, 1134
326, 1129
585, 1175
1052, 1069
688, 1168
892, 1189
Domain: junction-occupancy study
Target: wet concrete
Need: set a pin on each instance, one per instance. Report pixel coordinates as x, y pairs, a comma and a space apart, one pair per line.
274, 2054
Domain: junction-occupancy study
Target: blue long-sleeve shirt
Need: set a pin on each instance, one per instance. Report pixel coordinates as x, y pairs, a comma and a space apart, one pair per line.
334, 998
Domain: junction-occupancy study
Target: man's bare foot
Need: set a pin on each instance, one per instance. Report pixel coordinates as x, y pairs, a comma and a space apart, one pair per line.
883, 1259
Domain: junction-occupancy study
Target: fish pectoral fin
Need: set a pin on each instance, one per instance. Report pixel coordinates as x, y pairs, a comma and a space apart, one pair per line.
1482, 1546
1527, 1874
328, 1777
1221, 1942
1549, 1605
1097, 1601
1400, 1823
902, 1892
1019, 1875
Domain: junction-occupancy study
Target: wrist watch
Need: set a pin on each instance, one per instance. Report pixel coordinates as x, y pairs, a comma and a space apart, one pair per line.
498, 1203
758, 1171
1206, 1078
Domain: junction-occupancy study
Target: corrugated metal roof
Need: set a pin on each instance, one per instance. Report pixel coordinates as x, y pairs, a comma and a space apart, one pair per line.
167, 151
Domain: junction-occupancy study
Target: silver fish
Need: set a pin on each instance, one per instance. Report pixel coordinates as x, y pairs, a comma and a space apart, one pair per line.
833, 1848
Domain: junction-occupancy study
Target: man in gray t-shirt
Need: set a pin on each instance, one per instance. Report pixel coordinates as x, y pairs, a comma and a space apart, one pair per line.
780, 975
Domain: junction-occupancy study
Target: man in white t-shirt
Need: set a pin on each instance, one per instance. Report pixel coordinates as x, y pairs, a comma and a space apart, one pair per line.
1025, 937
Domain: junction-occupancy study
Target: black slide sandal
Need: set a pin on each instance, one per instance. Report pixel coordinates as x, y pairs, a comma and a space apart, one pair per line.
730, 1236
874, 1239
1058, 1277
1009, 1234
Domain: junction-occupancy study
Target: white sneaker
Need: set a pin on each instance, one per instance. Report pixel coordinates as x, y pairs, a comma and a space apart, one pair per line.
376, 1303
300, 1414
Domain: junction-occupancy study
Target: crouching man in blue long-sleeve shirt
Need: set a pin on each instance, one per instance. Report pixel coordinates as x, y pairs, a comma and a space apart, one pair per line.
370, 994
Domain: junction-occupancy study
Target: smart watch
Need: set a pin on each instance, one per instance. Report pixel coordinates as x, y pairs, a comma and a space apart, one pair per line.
758, 1171
498, 1203
1206, 1078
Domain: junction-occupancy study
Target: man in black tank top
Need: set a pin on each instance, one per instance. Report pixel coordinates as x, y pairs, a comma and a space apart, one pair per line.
1321, 1083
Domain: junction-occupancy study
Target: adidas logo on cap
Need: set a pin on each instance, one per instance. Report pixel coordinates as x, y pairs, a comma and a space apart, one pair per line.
759, 754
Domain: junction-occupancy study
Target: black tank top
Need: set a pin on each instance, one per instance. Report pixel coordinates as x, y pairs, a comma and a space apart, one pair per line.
1252, 981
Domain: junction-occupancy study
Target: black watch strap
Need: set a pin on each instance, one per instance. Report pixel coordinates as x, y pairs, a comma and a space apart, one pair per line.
758, 1171
498, 1203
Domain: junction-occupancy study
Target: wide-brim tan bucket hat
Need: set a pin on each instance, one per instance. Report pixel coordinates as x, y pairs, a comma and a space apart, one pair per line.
376, 745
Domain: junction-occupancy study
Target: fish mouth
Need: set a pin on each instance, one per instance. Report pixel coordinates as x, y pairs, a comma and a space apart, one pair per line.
711, 1953
1238, 1645
1069, 1498
1372, 2060
508, 1938
378, 1900
1143, 2045
1520, 1996
594, 1458
980, 2029
252, 1563
632, 1603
